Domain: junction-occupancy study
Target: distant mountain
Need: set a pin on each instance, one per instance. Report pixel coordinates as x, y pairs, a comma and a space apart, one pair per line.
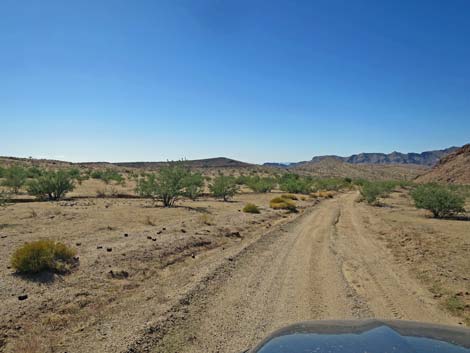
428, 158
453, 168
336, 167
218, 162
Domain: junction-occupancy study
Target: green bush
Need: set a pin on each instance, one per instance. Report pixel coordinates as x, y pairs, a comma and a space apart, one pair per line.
440, 200
42, 255
166, 186
289, 196
52, 185
251, 208
258, 184
296, 184
14, 178
223, 187
107, 176
372, 190
193, 185
34, 172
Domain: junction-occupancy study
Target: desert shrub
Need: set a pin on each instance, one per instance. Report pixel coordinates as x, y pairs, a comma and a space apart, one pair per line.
14, 178
372, 190
258, 184
280, 203
251, 208
166, 186
33, 172
242, 180
440, 200
107, 176
293, 183
42, 255
223, 187
193, 185
52, 185
2, 171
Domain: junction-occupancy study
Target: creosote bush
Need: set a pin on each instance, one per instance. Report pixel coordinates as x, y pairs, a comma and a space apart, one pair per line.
223, 187
258, 184
52, 185
172, 181
438, 199
251, 208
280, 203
14, 178
43, 255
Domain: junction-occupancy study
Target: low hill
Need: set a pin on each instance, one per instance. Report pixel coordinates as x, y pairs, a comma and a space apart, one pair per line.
454, 168
334, 167
219, 162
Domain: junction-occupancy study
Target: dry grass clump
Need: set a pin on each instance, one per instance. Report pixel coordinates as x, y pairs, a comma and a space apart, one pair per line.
289, 196
251, 208
43, 255
281, 203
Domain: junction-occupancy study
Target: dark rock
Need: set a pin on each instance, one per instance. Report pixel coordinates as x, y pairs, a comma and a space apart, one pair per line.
183, 230
126, 235
99, 247
78, 244
23, 297
109, 249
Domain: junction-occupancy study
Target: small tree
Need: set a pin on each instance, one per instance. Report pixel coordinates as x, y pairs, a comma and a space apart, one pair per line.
224, 187
294, 183
14, 178
51, 185
193, 185
440, 200
166, 186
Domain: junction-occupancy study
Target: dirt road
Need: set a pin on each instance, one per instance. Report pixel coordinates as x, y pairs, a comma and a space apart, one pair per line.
324, 265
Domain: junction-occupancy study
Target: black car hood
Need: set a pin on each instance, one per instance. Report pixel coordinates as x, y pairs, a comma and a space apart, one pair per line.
369, 336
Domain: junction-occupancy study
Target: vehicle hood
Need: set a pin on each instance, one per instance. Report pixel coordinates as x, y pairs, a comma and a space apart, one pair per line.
366, 336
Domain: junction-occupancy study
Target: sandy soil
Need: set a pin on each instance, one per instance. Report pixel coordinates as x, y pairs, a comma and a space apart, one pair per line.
136, 262
325, 265
205, 277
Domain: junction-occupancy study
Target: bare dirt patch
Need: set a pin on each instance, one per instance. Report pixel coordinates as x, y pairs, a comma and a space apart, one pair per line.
135, 262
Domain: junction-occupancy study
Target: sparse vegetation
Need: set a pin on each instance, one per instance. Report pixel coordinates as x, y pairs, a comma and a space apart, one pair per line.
42, 255
289, 196
223, 187
193, 185
251, 208
167, 186
294, 183
371, 191
14, 178
107, 176
52, 185
258, 184
440, 200
280, 203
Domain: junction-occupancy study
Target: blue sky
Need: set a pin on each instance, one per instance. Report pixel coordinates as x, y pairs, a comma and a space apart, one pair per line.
252, 80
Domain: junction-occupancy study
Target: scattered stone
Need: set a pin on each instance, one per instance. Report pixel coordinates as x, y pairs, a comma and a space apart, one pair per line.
183, 230
193, 256
159, 232
163, 228
78, 244
23, 297
149, 237
99, 247
118, 274
109, 249
126, 235
154, 239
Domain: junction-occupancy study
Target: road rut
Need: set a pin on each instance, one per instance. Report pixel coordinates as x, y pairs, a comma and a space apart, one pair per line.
324, 265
